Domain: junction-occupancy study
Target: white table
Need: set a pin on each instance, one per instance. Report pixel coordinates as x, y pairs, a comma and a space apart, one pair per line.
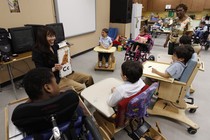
98, 93
147, 72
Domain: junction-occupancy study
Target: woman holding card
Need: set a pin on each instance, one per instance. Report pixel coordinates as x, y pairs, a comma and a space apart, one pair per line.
44, 54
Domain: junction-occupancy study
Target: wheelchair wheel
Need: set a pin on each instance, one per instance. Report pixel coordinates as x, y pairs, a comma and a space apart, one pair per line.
191, 130
206, 47
90, 125
192, 110
151, 58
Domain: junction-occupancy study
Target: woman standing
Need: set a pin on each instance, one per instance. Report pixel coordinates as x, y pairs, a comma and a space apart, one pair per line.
181, 26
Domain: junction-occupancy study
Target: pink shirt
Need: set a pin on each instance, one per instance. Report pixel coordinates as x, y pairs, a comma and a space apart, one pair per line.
146, 36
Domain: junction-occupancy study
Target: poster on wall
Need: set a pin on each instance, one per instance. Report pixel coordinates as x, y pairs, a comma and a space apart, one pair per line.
14, 6
64, 60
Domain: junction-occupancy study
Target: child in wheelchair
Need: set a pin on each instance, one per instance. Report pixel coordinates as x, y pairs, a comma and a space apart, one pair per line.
49, 113
131, 72
180, 57
139, 49
201, 34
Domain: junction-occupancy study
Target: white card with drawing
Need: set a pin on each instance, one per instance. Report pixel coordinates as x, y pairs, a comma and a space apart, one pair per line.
64, 59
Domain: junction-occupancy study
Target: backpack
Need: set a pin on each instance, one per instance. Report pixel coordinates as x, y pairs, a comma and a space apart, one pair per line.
5, 47
3, 36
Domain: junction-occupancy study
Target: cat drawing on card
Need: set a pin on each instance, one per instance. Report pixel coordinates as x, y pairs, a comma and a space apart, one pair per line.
65, 58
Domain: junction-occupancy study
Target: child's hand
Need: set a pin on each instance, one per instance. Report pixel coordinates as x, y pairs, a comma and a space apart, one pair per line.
154, 70
112, 90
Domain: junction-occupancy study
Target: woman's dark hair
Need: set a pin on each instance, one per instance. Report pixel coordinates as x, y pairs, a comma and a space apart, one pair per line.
132, 70
105, 30
42, 44
35, 80
185, 39
182, 6
41, 38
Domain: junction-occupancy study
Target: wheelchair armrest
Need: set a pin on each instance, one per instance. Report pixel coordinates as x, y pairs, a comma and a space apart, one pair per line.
201, 67
174, 92
180, 83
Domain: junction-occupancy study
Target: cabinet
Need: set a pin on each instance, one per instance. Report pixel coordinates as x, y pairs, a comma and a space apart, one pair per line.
173, 3
193, 5
159, 5
188, 3
144, 3
156, 5
197, 6
206, 4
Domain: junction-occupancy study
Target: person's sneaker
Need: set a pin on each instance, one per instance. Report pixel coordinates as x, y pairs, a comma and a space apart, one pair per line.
106, 65
100, 64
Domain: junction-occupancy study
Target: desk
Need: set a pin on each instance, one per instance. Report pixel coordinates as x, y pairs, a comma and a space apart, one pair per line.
164, 58
98, 94
158, 31
112, 61
147, 72
11, 132
151, 22
20, 57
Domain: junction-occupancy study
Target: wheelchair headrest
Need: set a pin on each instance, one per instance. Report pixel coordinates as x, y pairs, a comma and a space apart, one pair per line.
36, 117
191, 64
137, 106
113, 33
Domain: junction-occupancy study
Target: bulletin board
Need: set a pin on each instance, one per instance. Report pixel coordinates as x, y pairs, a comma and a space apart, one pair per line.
78, 16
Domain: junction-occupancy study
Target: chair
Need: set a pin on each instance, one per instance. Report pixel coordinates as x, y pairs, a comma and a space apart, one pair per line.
171, 103
133, 108
141, 54
59, 118
112, 61
113, 32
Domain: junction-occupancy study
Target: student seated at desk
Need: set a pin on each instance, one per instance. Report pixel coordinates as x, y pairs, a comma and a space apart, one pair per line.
180, 57
131, 72
105, 42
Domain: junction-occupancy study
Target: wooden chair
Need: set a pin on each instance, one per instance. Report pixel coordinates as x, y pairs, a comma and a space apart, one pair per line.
165, 58
131, 112
171, 103
112, 61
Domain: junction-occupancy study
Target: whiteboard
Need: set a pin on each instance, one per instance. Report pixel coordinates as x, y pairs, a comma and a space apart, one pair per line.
78, 16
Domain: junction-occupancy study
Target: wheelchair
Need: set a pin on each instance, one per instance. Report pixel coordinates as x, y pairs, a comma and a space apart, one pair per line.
203, 41
170, 101
59, 118
130, 116
141, 54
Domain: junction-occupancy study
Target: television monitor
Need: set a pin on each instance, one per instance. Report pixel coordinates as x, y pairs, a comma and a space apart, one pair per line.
58, 28
35, 28
22, 39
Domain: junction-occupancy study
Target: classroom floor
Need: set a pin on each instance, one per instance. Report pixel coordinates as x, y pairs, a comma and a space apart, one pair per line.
172, 130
